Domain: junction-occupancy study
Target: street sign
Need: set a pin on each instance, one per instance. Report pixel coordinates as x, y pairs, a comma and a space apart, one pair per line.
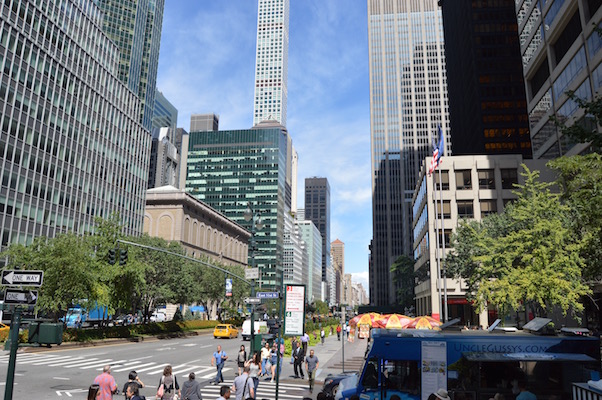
13, 296
23, 278
294, 310
267, 295
252, 300
252, 273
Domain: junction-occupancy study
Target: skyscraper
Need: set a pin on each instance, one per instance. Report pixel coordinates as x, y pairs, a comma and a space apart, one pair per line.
317, 210
337, 249
271, 65
204, 122
72, 146
408, 101
164, 113
135, 26
487, 103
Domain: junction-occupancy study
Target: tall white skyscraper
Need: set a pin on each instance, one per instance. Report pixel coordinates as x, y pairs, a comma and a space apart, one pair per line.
408, 101
271, 65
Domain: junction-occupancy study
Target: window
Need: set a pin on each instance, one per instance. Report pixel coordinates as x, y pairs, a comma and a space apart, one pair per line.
509, 178
463, 180
447, 234
444, 180
488, 207
486, 179
465, 209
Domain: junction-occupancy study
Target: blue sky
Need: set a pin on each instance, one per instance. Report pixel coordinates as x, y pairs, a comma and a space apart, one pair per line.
207, 64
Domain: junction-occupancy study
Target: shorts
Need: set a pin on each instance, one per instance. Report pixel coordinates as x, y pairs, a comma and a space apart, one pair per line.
241, 364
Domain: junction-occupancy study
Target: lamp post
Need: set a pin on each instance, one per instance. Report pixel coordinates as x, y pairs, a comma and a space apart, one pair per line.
256, 225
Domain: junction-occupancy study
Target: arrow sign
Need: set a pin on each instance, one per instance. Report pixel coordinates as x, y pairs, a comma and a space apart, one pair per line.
253, 300
24, 278
13, 296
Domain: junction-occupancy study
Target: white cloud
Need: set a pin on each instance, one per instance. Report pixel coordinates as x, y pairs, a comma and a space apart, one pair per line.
361, 277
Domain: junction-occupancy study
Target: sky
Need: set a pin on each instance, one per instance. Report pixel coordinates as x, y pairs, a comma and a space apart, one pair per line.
207, 65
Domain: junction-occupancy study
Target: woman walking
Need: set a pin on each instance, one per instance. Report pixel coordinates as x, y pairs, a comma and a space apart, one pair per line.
191, 388
168, 385
265, 356
273, 360
254, 369
242, 358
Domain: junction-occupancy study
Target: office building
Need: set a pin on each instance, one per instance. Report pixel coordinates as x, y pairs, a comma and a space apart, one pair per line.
164, 167
337, 251
174, 215
561, 52
228, 171
486, 90
472, 187
204, 122
317, 210
313, 243
72, 147
271, 64
408, 101
295, 260
164, 114
135, 26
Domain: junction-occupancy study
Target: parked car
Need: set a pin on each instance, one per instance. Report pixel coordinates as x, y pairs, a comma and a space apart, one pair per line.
158, 316
228, 331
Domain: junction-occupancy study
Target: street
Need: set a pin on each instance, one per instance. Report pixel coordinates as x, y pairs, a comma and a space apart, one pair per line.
67, 373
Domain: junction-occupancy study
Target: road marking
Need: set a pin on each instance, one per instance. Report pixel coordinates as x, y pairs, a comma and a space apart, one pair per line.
63, 358
73, 360
140, 358
205, 346
212, 375
60, 378
131, 366
99, 364
153, 367
159, 371
189, 368
88, 362
189, 345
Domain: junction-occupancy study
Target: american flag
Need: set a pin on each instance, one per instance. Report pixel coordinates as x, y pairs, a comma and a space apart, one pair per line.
437, 152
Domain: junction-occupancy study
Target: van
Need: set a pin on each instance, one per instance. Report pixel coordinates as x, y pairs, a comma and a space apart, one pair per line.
158, 316
259, 326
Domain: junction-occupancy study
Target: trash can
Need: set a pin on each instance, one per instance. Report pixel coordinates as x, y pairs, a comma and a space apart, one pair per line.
257, 342
45, 332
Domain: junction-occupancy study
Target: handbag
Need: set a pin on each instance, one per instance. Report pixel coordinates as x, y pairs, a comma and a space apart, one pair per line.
161, 390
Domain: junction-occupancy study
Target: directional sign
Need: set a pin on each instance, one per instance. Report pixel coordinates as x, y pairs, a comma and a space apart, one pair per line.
253, 300
24, 278
13, 296
267, 295
252, 273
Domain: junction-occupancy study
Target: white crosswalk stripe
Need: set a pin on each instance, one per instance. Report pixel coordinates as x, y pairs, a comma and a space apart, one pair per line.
264, 390
131, 366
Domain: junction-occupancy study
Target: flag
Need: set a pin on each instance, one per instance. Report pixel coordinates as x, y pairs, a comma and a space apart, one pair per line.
437, 152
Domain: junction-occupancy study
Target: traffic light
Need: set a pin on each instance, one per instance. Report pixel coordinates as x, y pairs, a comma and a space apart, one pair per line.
123, 256
111, 256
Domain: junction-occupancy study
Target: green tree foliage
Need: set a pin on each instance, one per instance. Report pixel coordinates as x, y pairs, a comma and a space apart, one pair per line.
586, 129
527, 256
402, 272
321, 307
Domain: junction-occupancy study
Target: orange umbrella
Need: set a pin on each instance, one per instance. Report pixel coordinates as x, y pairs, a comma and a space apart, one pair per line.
393, 321
424, 322
367, 319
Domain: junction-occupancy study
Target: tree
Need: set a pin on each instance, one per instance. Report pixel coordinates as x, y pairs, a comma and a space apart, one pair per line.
321, 307
586, 129
528, 256
402, 272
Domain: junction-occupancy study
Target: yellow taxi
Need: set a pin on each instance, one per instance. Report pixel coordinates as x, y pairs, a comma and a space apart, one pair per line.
225, 331
4, 328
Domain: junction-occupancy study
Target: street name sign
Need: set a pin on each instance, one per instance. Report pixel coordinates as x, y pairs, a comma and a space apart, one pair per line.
14, 296
267, 295
294, 310
23, 278
253, 300
252, 273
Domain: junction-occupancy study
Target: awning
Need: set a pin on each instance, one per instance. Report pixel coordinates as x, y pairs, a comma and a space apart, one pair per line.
506, 357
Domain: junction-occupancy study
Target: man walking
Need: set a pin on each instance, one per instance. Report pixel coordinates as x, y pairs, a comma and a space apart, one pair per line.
243, 387
298, 356
218, 359
311, 364
132, 392
224, 393
304, 341
106, 383
339, 332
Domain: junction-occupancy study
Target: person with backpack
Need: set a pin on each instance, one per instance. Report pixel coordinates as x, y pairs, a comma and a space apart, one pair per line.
168, 385
219, 359
243, 386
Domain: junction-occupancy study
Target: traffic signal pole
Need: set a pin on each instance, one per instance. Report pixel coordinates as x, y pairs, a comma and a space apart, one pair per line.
14, 345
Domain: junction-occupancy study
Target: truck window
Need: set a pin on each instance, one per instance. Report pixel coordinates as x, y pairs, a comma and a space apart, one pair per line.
402, 376
370, 378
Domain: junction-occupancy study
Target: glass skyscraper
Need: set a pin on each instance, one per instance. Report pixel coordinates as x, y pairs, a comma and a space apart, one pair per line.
228, 169
164, 114
271, 66
72, 147
408, 101
317, 210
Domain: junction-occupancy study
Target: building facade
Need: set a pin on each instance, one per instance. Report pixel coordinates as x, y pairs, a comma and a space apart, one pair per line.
296, 259
560, 51
317, 210
164, 167
487, 103
71, 147
337, 252
229, 169
135, 26
472, 187
271, 64
174, 215
408, 101
313, 243
204, 122
164, 113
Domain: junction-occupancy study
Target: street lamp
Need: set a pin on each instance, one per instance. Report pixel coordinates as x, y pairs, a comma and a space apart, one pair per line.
256, 225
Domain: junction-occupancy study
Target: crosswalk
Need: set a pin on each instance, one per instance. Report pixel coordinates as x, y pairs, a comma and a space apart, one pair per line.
142, 365
265, 390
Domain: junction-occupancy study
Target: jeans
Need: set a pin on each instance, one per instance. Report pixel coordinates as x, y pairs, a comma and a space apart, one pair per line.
256, 383
264, 369
219, 378
312, 377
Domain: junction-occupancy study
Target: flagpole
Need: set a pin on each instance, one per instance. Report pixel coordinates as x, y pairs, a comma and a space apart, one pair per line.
437, 244
445, 319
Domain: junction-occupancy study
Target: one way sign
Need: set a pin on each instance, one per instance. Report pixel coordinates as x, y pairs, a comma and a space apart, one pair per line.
13, 296
22, 278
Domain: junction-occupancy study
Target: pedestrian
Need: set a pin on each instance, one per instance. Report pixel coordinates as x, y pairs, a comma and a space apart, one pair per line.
322, 335
274, 360
304, 341
265, 355
298, 366
106, 384
242, 358
339, 332
294, 345
254, 368
168, 385
242, 386
134, 379
132, 392
218, 359
440, 394
191, 389
348, 329
311, 364
93, 392
224, 393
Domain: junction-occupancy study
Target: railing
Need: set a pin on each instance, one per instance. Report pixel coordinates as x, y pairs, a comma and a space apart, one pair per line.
582, 391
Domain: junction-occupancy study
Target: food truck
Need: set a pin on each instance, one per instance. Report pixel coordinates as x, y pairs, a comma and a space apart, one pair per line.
411, 364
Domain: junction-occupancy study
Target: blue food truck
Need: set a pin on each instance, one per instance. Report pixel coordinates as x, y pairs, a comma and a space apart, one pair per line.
473, 365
